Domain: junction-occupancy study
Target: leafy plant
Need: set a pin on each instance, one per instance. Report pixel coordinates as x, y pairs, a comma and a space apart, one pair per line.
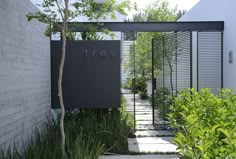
206, 124
158, 11
86, 136
128, 84
163, 100
141, 87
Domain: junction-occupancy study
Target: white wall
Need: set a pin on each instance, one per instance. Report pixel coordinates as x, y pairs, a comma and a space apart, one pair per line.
25, 85
219, 10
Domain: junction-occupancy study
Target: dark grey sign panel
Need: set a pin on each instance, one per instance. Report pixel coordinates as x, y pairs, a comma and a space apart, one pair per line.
91, 74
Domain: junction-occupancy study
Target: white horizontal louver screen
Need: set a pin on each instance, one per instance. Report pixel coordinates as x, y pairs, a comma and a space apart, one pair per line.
183, 60
209, 60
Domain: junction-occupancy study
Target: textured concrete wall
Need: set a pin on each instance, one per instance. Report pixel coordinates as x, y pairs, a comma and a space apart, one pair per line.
25, 95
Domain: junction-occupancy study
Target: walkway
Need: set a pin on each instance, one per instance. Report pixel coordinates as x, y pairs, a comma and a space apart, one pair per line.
147, 139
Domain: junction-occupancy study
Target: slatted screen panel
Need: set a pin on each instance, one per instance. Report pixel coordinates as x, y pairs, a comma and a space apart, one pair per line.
183, 60
170, 61
127, 51
177, 47
209, 60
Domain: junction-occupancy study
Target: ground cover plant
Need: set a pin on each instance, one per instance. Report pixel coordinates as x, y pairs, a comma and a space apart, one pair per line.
206, 124
88, 134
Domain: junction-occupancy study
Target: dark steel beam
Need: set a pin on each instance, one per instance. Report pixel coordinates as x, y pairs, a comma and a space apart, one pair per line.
143, 26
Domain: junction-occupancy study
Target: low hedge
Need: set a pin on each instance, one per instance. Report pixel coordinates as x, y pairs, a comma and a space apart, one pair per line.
206, 124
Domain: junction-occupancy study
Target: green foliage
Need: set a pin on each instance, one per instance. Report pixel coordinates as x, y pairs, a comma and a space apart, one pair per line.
163, 100
206, 124
88, 135
47, 144
53, 11
159, 11
90, 36
141, 87
128, 84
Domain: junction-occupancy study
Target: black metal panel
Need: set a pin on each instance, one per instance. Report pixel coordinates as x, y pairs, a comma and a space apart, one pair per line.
144, 26
91, 74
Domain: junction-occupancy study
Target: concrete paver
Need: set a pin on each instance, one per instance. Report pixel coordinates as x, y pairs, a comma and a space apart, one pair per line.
148, 138
153, 133
152, 144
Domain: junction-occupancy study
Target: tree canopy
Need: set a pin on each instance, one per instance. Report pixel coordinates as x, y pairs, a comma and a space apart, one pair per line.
158, 11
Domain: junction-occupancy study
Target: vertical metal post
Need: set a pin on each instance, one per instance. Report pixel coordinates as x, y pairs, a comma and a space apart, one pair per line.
134, 90
176, 64
153, 102
191, 59
50, 29
163, 60
197, 62
222, 59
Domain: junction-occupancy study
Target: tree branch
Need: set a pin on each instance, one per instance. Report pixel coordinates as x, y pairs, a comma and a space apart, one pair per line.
59, 8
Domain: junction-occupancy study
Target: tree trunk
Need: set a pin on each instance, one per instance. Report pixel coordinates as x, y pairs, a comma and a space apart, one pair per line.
171, 77
60, 94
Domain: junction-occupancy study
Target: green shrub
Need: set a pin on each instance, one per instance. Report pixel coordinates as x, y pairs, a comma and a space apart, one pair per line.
206, 124
128, 84
163, 100
141, 85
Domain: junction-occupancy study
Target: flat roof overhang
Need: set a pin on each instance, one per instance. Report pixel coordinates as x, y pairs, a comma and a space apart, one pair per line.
143, 26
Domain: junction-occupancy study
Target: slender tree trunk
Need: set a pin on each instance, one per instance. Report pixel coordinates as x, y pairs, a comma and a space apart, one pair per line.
60, 94
171, 75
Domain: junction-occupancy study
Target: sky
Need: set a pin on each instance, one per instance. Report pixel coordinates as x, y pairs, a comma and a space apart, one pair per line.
181, 4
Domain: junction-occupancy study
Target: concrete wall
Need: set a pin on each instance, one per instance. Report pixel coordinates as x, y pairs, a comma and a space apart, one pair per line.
218, 10
25, 91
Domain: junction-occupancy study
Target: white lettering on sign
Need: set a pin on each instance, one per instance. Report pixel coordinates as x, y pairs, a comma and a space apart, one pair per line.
102, 53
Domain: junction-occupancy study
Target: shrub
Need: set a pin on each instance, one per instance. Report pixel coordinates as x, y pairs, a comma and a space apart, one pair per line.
141, 86
206, 124
162, 100
128, 84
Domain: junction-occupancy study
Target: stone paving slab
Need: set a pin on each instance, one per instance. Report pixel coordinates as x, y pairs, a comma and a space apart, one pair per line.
153, 133
147, 127
151, 140
139, 122
148, 138
143, 118
140, 110
153, 148
140, 157
152, 144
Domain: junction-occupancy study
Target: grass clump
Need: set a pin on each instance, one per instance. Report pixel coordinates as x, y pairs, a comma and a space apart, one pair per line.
89, 134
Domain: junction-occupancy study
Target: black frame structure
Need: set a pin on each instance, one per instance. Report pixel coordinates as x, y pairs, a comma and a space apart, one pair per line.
143, 26
171, 27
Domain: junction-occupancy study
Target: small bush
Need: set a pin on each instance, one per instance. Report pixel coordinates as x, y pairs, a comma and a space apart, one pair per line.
141, 86
128, 84
206, 124
163, 100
